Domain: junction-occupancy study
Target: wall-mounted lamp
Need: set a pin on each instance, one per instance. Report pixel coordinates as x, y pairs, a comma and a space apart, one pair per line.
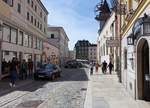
130, 40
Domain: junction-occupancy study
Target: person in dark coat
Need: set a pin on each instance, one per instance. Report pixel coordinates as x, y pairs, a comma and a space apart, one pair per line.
104, 67
91, 71
23, 69
110, 66
13, 72
30, 68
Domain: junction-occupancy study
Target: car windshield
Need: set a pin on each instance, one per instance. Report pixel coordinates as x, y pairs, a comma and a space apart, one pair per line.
43, 66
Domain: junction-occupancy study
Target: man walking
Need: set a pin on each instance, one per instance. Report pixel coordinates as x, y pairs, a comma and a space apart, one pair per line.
110, 67
104, 67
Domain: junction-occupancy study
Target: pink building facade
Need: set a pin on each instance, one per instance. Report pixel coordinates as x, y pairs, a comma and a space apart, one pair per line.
50, 53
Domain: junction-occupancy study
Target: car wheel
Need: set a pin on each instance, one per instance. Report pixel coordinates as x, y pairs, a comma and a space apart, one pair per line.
59, 74
53, 77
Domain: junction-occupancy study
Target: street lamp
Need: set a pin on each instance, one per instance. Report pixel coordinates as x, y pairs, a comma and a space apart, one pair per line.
130, 39
146, 25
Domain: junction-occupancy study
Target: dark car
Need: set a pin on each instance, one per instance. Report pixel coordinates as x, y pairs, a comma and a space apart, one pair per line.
70, 64
58, 71
49, 71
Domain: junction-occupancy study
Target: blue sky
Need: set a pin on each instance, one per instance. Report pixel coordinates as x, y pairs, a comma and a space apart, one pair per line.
75, 16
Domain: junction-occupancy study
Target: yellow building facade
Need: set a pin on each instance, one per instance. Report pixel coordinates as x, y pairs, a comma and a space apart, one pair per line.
135, 32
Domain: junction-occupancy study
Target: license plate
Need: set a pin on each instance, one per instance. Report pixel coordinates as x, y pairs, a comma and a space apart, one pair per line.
40, 76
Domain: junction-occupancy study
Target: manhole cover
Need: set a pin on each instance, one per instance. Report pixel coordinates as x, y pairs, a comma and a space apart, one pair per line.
30, 104
83, 89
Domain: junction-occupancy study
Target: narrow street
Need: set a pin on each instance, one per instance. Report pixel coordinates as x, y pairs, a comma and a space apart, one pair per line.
66, 92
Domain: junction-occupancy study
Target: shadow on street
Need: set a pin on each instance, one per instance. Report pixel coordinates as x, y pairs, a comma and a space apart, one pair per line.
30, 85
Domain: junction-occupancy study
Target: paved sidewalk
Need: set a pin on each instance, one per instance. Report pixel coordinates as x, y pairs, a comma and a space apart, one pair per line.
104, 91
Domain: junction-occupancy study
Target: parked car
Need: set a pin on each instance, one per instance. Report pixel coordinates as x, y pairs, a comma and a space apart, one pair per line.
70, 64
73, 64
58, 71
49, 71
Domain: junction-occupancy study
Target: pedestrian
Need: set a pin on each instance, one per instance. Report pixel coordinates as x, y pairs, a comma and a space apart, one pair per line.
30, 68
4, 66
110, 66
97, 66
104, 67
13, 72
91, 71
23, 69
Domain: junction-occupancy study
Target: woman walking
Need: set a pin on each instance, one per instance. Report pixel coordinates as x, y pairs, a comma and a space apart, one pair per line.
13, 72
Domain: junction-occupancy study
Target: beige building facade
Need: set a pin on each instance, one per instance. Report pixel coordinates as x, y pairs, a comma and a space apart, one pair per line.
92, 57
23, 27
58, 37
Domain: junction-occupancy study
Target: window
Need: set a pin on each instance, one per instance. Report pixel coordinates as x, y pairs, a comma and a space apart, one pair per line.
35, 22
28, 16
32, 19
38, 44
32, 4
6, 33
25, 40
13, 35
34, 42
41, 45
52, 36
19, 8
30, 41
41, 14
9, 2
44, 18
20, 38
28, 1
44, 30
40, 26
35, 8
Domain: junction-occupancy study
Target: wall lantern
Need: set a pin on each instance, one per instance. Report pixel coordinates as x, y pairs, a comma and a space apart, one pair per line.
130, 40
146, 26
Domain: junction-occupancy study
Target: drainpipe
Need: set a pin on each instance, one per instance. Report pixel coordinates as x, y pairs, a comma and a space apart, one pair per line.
120, 73
0, 48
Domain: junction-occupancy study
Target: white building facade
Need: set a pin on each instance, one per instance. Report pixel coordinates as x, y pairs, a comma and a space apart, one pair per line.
105, 52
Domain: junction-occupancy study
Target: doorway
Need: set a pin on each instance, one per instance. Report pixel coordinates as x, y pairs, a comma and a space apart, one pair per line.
143, 81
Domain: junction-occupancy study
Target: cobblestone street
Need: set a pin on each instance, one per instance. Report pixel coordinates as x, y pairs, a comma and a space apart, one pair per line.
66, 92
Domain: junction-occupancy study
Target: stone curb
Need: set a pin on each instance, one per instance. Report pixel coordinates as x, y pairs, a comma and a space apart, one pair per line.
88, 98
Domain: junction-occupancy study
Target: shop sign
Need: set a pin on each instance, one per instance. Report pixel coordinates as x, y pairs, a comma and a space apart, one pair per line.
113, 43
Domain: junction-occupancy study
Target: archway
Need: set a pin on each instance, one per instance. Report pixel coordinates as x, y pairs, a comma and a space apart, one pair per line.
143, 85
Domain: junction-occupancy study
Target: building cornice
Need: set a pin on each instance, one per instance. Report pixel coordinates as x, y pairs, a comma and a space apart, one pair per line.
43, 7
141, 7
